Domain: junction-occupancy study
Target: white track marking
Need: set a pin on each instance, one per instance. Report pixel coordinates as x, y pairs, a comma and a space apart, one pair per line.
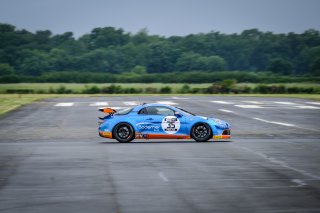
167, 102
225, 110
274, 122
253, 102
113, 107
284, 102
64, 104
130, 103
316, 103
180, 98
222, 102
250, 106
307, 107
99, 104
117, 108
163, 177
281, 163
299, 182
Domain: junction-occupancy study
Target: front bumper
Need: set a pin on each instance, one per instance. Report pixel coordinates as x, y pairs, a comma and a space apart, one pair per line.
226, 134
221, 136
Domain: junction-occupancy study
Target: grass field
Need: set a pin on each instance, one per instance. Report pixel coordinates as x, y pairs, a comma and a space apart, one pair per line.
9, 102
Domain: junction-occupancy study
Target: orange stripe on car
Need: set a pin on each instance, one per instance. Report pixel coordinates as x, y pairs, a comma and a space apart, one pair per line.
221, 137
161, 136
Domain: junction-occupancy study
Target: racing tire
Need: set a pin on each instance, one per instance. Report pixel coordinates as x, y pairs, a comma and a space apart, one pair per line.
201, 132
123, 132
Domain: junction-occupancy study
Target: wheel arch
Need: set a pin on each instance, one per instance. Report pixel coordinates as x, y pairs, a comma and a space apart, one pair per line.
122, 122
201, 122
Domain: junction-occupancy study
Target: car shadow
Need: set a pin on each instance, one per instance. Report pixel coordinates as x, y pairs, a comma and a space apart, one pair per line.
164, 142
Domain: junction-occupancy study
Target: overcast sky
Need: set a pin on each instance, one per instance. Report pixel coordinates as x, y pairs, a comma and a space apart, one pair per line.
162, 17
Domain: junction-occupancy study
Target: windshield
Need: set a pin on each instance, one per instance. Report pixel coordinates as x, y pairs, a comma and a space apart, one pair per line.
186, 112
124, 111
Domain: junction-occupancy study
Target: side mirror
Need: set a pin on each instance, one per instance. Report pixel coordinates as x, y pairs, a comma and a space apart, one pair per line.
177, 114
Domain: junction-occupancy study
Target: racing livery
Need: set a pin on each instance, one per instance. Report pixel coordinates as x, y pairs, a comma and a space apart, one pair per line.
159, 121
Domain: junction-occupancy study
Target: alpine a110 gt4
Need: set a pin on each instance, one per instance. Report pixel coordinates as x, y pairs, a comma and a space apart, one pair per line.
159, 121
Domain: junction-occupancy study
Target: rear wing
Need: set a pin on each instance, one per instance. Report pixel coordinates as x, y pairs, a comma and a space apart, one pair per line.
108, 110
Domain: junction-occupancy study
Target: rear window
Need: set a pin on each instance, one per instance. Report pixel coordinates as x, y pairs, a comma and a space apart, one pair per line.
124, 111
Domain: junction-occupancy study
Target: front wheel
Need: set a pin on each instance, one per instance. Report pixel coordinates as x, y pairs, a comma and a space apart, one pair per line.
201, 132
123, 132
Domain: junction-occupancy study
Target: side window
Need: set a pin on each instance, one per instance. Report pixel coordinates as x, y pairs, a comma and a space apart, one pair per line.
155, 110
143, 111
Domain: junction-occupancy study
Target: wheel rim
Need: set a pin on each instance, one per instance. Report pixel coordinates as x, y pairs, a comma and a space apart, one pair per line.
201, 131
123, 132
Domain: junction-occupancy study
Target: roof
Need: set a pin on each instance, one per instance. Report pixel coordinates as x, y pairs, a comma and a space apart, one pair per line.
151, 104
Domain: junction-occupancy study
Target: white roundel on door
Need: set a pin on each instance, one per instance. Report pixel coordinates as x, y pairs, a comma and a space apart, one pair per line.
170, 124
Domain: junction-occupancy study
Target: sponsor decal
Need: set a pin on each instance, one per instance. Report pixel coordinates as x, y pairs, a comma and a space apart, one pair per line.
170, 124
147, 126
142, 136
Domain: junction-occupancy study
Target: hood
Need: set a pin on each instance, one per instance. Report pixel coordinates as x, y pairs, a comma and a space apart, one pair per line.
217, 122
220, 123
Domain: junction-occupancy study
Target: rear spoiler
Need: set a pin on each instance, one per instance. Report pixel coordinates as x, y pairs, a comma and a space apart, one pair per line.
108, 110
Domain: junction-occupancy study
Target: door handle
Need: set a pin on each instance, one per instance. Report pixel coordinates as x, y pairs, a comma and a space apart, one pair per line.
149, 119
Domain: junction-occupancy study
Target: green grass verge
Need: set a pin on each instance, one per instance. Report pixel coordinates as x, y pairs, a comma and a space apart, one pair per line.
175, 87
9, 102
45, 87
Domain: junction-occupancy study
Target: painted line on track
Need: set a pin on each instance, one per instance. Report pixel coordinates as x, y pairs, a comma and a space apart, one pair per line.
221, 102
253, 102
180, 98
163, 177
130, 103
116, 107
167, 102
67, 104
284, 165
99, 104
225, 110
300, 183
307, 107
284, 102
249, 106
274, 122
315, 103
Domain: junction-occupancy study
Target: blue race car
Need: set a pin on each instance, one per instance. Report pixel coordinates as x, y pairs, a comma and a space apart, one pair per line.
159, 121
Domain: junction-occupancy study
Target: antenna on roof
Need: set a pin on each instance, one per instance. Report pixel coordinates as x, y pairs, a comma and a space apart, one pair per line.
140, 102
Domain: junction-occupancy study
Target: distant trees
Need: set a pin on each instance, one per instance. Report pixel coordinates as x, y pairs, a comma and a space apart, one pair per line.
111, 50
280, 66
194, 61
6, 69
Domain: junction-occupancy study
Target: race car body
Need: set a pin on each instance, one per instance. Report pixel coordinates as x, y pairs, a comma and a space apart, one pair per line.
158, 121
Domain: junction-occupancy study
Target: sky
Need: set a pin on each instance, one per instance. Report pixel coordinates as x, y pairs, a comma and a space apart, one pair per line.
162, 17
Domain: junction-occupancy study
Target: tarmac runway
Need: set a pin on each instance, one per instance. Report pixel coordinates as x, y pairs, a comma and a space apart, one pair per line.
52, 159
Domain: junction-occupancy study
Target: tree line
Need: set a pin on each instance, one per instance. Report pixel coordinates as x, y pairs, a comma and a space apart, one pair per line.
109, 51
225, 87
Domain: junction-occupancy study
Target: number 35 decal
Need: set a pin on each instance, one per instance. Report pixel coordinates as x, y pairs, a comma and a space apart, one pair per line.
170, 124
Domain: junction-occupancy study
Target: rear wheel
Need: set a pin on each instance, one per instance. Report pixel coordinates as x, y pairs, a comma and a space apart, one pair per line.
123, 132
201, 132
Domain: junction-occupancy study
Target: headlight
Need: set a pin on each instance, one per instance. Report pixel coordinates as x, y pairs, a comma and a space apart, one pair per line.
218, 121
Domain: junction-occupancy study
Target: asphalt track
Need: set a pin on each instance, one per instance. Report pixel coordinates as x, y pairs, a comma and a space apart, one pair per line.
52, 160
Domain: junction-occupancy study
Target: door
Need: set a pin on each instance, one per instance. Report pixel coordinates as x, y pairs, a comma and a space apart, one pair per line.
161, 122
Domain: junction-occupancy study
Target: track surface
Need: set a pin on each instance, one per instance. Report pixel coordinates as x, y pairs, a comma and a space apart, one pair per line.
52, 160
